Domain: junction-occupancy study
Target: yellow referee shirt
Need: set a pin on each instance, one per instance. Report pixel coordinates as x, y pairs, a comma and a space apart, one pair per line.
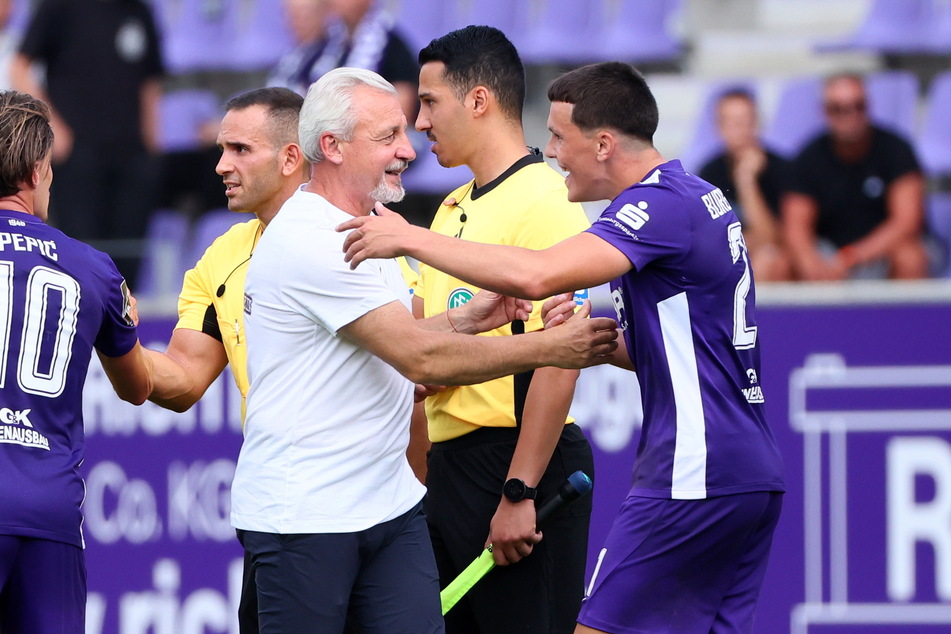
527, 206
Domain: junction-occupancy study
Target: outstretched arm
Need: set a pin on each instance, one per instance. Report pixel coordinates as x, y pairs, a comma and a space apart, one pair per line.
581, 261
184, 371
439, 358
129, 374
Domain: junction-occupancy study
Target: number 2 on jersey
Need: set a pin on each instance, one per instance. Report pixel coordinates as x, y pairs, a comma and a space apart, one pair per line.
744, 336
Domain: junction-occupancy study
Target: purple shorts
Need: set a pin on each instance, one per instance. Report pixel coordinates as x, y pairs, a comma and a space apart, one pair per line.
683, 566
42, 586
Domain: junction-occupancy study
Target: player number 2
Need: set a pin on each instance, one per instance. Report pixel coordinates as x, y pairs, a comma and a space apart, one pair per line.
53, 352
744, 336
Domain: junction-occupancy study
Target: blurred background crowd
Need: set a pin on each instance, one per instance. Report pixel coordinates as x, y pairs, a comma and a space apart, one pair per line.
824, 122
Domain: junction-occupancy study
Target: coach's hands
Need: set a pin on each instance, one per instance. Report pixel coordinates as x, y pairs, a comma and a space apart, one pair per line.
512, 531
488, 311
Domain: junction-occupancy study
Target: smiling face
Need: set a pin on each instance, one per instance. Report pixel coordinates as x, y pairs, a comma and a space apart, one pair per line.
576, 153
379, 150
442, 116
250, 163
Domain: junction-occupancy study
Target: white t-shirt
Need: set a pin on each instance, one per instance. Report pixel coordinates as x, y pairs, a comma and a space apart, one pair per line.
327, 422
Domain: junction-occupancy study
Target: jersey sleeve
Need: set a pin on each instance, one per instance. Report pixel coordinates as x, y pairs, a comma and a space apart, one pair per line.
117, 334
196, 309
646, 224
337, 296
901, 158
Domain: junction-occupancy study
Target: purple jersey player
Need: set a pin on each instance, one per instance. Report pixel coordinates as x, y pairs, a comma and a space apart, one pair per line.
59, 299
688, 550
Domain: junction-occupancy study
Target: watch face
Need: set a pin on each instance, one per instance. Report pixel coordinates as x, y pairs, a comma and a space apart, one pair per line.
514, 490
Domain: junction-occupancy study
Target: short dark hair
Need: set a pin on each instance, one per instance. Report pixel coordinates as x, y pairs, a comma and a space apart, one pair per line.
608, 95
283, 110
480, 56
736, 92
26, 138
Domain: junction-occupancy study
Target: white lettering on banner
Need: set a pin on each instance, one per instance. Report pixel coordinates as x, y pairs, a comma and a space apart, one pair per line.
162, 611
607, 404
134, 515
104, 413
199, 500
118, 507
911, 521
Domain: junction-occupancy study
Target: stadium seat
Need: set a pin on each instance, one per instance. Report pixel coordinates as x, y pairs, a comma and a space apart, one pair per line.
938, 37
934, 135
891, 26
208, 227
893, 100
502, 14
939, 225
705, 141
798, 116
181, 115
637, 31
559, 31
262, 35
422, 20
163, 258
196, 34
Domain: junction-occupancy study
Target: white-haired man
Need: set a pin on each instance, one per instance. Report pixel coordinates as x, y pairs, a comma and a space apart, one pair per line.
325, 503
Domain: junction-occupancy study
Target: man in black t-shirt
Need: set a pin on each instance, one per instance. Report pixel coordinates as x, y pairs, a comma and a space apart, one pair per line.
752, 178
856, 201
103, 80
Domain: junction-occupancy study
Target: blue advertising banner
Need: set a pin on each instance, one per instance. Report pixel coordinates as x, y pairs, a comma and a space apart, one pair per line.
858, 395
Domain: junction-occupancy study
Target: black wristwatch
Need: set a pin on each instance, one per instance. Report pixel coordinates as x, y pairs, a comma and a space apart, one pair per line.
516, 490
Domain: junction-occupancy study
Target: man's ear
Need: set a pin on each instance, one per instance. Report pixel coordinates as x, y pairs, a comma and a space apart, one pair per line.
330, 146
479, 97
607, 144
293, 156
35, 176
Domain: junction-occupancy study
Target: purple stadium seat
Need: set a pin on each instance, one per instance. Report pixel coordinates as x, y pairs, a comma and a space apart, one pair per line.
196, 34
208, 227
637, 31
262, 35
939, 224
560, 31
422, 20
181, 115
798, 116
938, 36
163, 258
892, 26
934, 136
893, 100
705, 142
502, 14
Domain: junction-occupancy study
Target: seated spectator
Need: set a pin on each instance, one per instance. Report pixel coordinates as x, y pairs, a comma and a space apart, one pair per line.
752, 178
310, 58
855, 208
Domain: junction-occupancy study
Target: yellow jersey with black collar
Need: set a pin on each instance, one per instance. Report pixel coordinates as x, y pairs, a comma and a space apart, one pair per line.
527, 206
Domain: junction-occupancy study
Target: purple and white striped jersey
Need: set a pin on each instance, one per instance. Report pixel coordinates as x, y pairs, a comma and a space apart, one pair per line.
59, 298
686, 308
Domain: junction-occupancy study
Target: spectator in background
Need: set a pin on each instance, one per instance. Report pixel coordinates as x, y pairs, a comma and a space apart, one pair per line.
855, 205
752, 178
359, 34
103, 72
307, 20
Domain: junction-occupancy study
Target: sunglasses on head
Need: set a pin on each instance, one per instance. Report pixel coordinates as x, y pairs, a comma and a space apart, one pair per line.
841, 108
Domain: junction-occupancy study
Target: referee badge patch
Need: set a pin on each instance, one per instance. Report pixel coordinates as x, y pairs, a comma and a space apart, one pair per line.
247, 304
458, 297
